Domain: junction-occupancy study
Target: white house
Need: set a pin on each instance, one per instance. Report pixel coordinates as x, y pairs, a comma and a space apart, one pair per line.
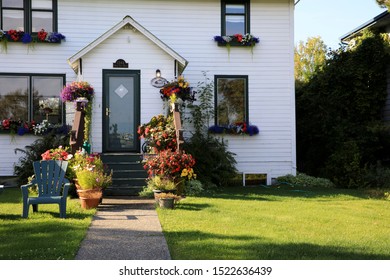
118, 45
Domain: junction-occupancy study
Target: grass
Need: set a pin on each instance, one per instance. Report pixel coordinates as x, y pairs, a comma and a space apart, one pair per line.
279, 224
42, 236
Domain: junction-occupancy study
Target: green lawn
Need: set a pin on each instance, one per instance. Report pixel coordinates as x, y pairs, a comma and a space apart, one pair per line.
43, 235
279, 223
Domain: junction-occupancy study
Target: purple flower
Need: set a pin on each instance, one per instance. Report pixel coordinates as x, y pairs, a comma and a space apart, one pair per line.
26, 38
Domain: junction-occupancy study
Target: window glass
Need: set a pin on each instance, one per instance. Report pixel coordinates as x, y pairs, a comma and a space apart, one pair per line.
12, 3
14, 97
235, 9
46, 101
235, 25
13, 19
42, 4
231, 100
42, 20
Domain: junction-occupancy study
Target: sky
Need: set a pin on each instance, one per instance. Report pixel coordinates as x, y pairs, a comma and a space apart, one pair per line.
331, 19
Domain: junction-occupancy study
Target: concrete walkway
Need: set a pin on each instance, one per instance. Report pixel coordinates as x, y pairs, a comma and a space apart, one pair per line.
125, 228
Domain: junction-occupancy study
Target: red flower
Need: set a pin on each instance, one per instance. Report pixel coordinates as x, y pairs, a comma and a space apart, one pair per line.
238, 37
42, 35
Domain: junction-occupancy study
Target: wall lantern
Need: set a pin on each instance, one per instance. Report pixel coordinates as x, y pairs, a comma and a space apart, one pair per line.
158, 81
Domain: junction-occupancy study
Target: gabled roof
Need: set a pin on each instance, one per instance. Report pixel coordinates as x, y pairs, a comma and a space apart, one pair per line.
127, 20
380, 21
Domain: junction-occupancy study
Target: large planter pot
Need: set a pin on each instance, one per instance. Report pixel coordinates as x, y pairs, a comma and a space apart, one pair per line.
90, 198
167, 203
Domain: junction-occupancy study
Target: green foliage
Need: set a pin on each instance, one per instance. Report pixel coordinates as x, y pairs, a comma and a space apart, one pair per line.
193, 187
303, 180
162, 184
309, 58
214, 165
24, 168
339, 114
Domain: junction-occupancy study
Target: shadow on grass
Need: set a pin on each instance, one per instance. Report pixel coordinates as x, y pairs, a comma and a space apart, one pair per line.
203, 246
259, 193
192, 206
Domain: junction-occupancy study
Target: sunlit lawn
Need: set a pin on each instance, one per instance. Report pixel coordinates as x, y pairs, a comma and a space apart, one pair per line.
43, 235
279, 223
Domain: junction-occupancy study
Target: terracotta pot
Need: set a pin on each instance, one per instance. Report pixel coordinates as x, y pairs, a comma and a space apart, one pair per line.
90, 198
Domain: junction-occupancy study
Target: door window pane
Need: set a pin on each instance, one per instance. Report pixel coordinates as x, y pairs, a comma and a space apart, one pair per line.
14, 97
231, 100
46, 101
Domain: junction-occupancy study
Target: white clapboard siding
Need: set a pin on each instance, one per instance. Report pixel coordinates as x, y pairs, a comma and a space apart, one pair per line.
188, 27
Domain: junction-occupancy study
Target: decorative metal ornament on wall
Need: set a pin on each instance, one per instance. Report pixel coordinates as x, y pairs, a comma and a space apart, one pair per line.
158, 82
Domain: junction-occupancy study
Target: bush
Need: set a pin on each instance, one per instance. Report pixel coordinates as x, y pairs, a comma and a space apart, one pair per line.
193, 188
339, 114
303, 180
215, 164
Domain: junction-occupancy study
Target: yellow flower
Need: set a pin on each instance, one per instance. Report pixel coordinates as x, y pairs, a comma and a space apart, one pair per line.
184, 173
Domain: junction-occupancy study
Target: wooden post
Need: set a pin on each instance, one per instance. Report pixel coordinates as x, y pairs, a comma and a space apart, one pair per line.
77, 132
177, 123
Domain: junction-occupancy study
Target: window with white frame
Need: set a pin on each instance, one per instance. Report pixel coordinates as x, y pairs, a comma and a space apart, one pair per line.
30, 97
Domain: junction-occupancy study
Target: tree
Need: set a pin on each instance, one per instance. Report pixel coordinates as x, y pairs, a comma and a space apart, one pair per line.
309, 58
384, 3
339, 114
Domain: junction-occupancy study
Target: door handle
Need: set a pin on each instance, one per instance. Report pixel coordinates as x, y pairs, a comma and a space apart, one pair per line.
107, 112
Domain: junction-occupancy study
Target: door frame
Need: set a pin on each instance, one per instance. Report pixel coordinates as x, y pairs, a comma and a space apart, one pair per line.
106, 74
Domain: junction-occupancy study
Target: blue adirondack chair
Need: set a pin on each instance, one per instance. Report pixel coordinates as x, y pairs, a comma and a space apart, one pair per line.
52, 186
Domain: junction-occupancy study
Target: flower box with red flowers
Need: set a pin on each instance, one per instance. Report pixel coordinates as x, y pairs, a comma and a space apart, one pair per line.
240, 40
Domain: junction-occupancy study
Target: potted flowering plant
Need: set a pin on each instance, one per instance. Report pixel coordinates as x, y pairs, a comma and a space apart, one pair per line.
75, 90
177, 89
60, 153
176, 166
159, 133
91, 178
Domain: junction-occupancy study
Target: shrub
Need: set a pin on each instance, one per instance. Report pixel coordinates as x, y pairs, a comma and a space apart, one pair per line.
215, 166
303, 180
193, 188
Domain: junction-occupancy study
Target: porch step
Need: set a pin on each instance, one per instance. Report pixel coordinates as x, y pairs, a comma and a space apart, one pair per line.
128, 176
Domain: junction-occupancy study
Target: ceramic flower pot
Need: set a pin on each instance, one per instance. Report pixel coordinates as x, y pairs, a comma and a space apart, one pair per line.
90, 198
167, 203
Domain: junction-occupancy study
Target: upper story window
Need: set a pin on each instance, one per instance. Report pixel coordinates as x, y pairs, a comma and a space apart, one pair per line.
235, 17
28, 15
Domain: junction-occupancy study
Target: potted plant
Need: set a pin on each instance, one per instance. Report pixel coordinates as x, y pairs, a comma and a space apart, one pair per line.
91, 178
161, 185
176, 166
167, 200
